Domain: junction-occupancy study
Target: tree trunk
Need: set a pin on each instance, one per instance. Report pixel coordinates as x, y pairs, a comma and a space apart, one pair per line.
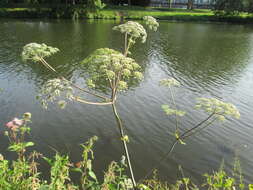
129, 2
190, 4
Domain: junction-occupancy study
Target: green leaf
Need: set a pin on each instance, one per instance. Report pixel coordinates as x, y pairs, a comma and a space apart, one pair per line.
29, 144
112, 186
48, 160
89, 165
44, 187
15, 147
76, 170
92, 175
170, 111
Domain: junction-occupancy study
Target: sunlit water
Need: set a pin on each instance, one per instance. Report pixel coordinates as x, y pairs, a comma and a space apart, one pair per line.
210, 60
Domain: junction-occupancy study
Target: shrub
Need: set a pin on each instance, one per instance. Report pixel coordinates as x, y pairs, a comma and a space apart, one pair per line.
228, 7
95, 5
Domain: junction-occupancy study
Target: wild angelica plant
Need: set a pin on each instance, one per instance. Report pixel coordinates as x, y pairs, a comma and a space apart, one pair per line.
108, 70
217, 110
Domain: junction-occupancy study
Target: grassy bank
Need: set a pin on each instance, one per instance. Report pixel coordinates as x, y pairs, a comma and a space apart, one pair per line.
123, 13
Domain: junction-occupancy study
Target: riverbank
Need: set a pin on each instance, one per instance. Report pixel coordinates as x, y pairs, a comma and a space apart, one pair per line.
117, 13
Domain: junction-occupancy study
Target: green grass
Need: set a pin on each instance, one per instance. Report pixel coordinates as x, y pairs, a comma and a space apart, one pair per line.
174, 14
121, 12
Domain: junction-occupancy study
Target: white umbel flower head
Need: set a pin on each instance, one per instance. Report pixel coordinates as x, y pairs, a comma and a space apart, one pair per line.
151, 22
134, 29
219, 108
169, 82
34, 51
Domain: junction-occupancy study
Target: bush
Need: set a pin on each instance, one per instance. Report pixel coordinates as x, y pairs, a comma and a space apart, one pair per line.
133, 2
228, 7
95, 5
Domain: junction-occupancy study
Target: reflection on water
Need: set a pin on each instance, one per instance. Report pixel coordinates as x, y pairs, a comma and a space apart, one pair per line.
208, 59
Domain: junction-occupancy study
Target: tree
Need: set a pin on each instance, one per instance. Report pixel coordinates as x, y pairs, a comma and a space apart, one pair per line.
228, 7
95, 5
190, 4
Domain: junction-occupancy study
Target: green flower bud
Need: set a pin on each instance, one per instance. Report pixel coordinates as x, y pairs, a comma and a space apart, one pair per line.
27, 116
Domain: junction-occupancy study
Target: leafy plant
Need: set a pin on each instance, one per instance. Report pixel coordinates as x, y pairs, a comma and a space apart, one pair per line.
228, 7
217, 110
110, 72
23, 174
95, 5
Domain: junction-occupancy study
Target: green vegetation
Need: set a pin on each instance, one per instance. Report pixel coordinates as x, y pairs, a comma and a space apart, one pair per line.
114, 12
23, 173
222, 10
108, 72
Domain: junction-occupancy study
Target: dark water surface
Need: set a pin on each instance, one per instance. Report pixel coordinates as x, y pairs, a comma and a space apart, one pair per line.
210, 60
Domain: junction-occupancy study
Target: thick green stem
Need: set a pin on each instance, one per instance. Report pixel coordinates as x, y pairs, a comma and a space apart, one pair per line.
120, 126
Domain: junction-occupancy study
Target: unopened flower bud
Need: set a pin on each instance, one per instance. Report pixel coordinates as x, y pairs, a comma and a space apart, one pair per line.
27, 116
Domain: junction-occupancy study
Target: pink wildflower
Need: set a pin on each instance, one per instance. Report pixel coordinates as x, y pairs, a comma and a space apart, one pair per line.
15, 123
18, 122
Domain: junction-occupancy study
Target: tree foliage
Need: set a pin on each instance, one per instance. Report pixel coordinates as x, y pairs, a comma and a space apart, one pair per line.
95, 5
228, 7
131, 2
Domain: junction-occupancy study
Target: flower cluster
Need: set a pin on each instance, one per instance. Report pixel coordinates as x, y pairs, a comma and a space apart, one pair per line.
170, 111
110, 68
53, 89
127, 184
169, 82
151, 22
14, 124
134, 29
35, 51
217, 107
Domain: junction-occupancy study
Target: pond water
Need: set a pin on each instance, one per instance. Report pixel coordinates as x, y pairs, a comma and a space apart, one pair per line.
209, 60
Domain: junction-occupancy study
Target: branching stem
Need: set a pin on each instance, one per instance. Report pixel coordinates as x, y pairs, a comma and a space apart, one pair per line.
78, 99
185, 135
43, 61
